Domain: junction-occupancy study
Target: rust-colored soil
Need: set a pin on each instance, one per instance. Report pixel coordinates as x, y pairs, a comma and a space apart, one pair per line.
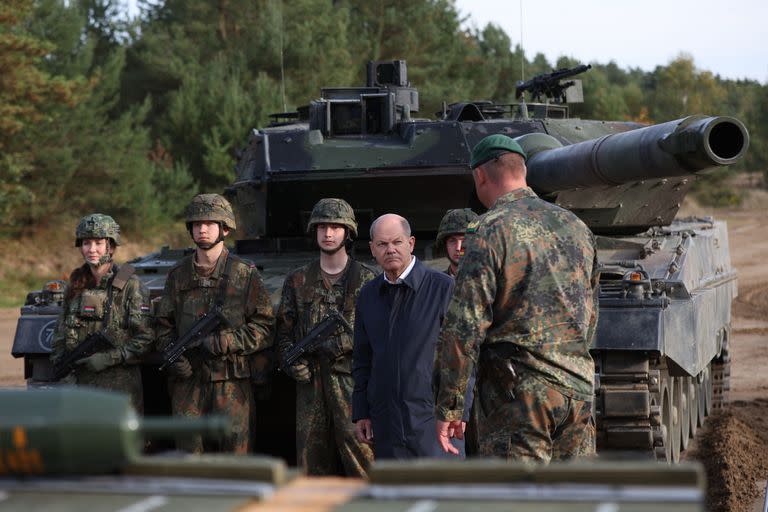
734, 451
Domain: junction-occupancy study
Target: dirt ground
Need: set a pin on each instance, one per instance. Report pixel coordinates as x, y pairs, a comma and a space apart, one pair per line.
734, 444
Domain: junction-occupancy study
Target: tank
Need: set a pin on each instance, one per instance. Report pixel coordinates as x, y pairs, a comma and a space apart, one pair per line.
661, 348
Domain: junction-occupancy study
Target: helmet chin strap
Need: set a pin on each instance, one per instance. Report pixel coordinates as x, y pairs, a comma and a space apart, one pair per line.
104, 259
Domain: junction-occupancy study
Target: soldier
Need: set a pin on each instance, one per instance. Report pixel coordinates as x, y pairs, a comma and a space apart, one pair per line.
325, 433
213, 377
103, 297
450, 236
525, 306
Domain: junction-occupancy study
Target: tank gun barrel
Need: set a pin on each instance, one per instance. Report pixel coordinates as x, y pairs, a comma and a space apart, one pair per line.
686, 146
76, 430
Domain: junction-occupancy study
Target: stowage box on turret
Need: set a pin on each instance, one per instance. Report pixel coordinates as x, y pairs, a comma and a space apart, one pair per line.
661, 348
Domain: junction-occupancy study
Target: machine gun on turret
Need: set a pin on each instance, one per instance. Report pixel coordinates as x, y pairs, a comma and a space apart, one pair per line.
549, 85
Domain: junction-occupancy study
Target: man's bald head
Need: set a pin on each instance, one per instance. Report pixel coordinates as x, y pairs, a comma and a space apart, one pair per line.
388, 221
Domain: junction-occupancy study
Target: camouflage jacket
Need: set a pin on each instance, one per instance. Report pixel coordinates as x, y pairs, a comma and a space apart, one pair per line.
306, 300
247, 312
528, 276
128, 325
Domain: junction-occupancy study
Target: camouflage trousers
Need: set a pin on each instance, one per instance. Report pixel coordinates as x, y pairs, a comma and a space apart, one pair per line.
325, 434
540, 424
231, 398
121, 378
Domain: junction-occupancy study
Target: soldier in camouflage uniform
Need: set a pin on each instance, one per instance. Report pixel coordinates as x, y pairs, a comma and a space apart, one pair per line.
450, 236
102, 296
213, 377
525, 307
325, 434
450, 240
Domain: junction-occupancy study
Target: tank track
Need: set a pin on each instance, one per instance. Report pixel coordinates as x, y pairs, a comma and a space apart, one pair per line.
643, 410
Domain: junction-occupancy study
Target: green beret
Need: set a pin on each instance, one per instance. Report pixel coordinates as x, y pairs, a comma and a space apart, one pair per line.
493, 146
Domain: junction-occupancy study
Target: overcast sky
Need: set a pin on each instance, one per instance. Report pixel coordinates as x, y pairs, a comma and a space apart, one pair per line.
727, 37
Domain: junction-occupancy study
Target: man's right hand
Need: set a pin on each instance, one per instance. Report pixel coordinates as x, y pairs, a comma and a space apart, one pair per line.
180, 368
299, 371
364, 431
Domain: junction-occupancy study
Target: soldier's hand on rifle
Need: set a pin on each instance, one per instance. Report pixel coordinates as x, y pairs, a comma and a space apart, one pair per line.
299, 371
99, 361
180, 368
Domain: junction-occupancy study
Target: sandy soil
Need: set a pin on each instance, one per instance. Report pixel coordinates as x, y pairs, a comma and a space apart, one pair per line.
11, 370
734, 444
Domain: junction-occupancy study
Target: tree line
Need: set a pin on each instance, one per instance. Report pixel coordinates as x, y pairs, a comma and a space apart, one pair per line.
99, 111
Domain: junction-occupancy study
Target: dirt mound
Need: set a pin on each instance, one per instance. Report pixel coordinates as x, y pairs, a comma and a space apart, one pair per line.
734, 451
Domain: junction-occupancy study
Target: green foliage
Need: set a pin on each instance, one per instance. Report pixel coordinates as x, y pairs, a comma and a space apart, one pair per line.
31, 99
712, 190
132, 117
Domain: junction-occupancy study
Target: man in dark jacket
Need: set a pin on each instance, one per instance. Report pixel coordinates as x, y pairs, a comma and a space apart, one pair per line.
397, 321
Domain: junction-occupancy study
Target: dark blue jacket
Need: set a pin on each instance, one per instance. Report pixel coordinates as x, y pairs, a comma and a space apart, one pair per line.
396, 328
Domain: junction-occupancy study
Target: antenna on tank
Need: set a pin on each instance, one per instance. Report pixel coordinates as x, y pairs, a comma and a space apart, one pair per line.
282, 61
522, 48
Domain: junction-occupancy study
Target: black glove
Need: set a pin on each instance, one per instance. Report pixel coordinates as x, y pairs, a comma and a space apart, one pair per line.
299, 371
180, 368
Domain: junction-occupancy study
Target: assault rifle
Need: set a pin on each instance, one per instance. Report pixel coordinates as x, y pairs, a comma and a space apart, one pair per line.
548, 84
94, 342
314, 338
205, 326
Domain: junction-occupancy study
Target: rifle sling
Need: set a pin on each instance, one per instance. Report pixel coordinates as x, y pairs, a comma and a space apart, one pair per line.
222, 295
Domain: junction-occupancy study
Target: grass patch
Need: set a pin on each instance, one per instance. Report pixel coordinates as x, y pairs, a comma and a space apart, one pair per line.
16, 286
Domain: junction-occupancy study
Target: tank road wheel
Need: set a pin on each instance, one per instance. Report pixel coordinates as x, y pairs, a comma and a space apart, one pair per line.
662, 434
693, 405
683, 393
706, 390
675, 432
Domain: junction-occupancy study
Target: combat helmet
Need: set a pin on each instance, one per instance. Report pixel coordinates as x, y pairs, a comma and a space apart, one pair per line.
333, 211
453, 222
210, 207
97, 225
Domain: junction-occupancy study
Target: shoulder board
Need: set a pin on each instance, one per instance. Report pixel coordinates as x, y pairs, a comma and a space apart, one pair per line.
472, 226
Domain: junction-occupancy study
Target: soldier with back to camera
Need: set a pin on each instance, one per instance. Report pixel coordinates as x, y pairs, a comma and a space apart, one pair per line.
525, 309
213, 376
325, 435
106, 301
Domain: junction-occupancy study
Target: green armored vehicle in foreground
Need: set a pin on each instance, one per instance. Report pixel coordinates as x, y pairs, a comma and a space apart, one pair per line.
73, 449
661, 348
